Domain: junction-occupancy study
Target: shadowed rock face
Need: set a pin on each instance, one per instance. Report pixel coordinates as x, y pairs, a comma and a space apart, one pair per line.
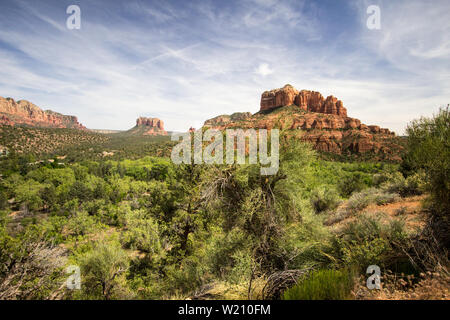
307, 115
149, 126
24, 112
306, 100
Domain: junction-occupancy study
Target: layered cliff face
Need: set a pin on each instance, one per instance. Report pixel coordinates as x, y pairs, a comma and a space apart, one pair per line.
148, 126
306, 100
307, 115
24, 112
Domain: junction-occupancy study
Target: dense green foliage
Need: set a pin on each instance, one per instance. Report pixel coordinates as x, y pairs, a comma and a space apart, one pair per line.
324, 199
322, 285
429, 149
429, 153
140, 227
146, 228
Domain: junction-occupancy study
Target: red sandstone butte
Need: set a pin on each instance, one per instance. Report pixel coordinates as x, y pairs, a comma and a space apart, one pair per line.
307, 100
150, 126
24, 112
321, 121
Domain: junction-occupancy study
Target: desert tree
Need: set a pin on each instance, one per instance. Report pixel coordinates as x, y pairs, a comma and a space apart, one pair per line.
429, 150
101, 268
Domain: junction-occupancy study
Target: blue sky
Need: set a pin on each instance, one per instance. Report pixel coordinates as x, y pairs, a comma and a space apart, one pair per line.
187, 61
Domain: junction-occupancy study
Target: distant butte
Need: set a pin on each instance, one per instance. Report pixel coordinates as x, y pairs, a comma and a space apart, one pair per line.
26, 113
148, 126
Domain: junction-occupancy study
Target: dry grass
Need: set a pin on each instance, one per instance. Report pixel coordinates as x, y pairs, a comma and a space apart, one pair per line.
429, 286
225, 291
408, 209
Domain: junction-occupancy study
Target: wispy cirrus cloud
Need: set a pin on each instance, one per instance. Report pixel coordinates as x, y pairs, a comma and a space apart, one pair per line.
188, 61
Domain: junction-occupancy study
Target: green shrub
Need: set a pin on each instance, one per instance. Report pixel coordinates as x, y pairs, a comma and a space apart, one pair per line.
413, 185
361, 200
142, 232
242, 268
305, 245
368, 241
380, 179
362, 255
351, 183
221, 247
323, 285
382, 198
101, 269
337, 216
3, 200
81, 224
324, 199
187, 275
366, 227
28, 194
369, 227
429, 150
358, 201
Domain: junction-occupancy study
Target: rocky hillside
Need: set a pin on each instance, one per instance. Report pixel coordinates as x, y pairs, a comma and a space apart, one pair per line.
23, 112
148, 127
309, 116
24, 140
238, 116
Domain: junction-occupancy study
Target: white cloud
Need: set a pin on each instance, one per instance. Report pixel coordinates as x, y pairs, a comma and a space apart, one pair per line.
264, 69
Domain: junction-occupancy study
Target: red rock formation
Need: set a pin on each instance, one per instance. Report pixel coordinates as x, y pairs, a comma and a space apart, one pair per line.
322, 122
309, 100
26, 113
278, 97
306, 100
152, 122
149, 126
333, 106
374, 129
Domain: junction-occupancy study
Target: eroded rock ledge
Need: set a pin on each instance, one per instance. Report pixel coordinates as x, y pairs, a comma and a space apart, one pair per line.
311, 101
309, 116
